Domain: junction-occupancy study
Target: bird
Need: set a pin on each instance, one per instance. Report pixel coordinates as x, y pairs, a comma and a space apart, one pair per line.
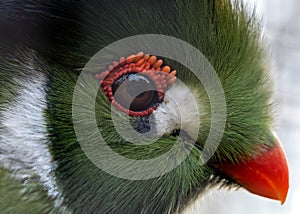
93, 120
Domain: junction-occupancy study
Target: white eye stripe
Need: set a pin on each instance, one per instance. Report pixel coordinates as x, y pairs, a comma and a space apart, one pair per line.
23, 140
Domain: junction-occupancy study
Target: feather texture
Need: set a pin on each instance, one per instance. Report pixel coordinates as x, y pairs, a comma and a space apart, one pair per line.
73, 31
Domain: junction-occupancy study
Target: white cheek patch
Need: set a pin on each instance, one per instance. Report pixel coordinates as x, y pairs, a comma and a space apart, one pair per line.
179, 110
23, 133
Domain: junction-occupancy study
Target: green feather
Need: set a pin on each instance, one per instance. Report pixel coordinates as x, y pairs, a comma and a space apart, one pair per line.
228, 36
20, 198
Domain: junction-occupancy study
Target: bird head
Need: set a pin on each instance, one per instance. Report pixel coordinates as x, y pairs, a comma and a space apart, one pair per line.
138, 130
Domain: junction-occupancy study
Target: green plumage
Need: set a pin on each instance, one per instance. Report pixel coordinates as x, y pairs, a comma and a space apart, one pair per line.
19, 199
229, 37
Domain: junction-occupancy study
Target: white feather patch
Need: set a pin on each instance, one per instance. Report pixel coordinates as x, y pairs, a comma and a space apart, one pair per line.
23, 141
179, 110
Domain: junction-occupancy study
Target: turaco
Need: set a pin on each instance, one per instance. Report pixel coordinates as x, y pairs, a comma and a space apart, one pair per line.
90, 124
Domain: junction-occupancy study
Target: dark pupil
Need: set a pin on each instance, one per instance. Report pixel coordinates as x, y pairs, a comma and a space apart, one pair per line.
135, 92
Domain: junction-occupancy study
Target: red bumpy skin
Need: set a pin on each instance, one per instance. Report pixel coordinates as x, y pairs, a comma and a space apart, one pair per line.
150, 66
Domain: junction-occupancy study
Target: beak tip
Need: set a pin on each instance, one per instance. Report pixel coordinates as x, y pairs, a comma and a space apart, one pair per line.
284, 194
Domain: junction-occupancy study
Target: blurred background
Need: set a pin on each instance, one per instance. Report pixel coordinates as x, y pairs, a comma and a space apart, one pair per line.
281, 21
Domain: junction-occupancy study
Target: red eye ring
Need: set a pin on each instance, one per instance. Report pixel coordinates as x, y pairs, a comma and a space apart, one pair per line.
139, 63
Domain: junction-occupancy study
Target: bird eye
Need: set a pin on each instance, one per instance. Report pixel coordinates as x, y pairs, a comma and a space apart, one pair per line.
136, 84
135, 91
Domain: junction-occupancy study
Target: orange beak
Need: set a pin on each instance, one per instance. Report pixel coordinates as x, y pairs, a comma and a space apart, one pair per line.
265, 175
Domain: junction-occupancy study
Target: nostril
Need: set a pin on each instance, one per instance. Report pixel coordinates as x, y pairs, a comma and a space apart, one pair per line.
176, 132
182, 134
